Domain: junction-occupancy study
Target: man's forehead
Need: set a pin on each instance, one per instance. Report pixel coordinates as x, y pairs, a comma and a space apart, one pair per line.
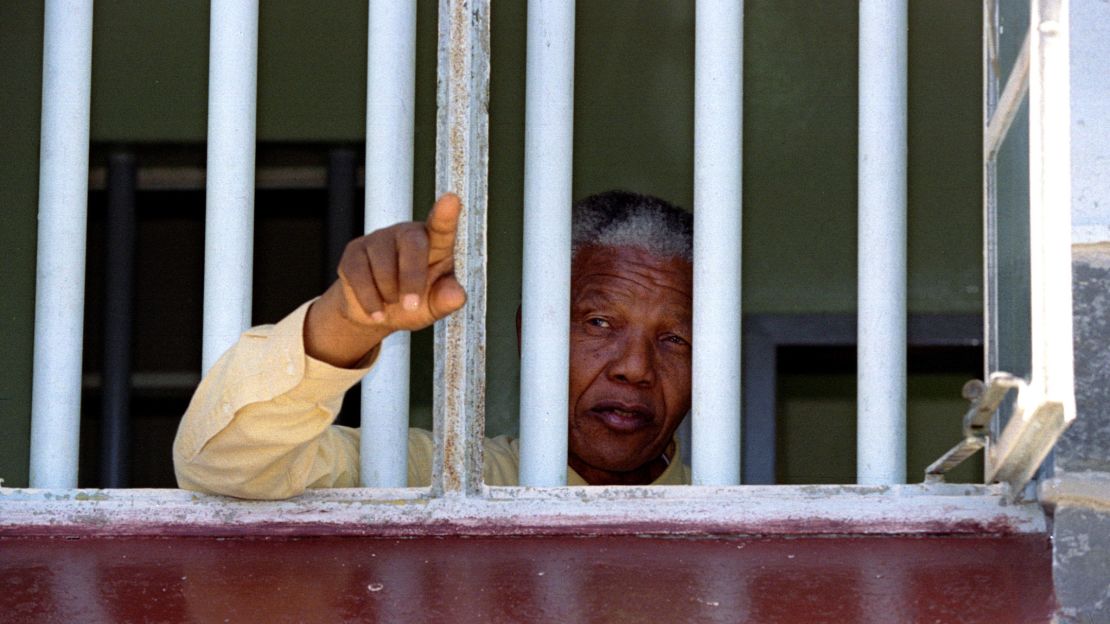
599, 271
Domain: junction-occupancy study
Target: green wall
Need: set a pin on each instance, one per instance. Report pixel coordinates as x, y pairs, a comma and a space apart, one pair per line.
20, 69
633, 129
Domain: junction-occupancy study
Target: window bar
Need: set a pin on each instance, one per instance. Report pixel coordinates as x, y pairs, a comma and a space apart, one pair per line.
991, 77
63, 206
718, 124
548, 151
119, 289
341, 228
881, 416
760, 361
390, 104
462, 148
229, 217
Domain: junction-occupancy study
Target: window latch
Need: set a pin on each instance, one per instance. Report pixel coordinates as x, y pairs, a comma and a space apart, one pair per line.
1031, 431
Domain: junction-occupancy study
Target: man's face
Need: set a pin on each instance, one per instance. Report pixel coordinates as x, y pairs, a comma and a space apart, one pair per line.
629, 355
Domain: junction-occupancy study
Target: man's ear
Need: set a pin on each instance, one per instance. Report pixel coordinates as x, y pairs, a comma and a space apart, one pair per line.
518, 324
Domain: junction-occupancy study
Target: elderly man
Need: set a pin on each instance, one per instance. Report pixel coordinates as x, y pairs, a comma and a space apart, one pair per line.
260, 423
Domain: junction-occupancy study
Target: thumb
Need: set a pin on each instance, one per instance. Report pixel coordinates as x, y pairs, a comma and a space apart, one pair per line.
441, 226
446, 296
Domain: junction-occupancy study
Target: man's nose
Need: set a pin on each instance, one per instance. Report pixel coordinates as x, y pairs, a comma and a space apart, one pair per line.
633, 363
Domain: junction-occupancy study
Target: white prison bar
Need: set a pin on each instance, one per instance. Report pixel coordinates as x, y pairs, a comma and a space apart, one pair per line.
229, 216
390, 103
881, 417
548, 146
718, 117
60, 282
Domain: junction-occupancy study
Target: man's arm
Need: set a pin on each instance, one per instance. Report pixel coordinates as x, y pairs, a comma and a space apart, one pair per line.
260, 423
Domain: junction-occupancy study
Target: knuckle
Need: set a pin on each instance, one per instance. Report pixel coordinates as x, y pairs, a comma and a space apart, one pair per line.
414, 237
378, 239
352, 248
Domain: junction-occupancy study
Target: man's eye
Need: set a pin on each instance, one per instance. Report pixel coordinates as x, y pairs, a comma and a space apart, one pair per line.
677, 340
597, 322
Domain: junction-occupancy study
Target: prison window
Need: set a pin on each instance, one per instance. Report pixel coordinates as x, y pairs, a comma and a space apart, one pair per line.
457, 499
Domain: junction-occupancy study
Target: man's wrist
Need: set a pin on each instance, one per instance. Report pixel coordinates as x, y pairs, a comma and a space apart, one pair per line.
333, 337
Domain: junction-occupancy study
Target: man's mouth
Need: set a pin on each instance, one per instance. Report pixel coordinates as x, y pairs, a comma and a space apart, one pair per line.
622, 417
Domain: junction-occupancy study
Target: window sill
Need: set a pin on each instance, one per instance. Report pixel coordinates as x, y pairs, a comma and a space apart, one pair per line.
918, 509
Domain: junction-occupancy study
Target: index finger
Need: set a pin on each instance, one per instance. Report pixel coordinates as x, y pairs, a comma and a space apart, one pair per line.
441, 226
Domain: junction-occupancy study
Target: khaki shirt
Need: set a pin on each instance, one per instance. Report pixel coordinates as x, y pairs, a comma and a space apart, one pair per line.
260, 426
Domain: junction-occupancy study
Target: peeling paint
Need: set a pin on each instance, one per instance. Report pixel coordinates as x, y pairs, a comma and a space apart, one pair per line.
739, 510
462, 147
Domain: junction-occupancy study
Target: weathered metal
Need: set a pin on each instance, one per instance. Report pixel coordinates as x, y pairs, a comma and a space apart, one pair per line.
462, 148
985, 399
991, 71
692, 510
1025, 431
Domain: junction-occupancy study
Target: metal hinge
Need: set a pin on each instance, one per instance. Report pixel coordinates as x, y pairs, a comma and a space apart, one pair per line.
1031, 431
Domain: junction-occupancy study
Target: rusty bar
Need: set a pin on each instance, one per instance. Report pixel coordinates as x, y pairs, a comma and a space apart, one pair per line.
462, 147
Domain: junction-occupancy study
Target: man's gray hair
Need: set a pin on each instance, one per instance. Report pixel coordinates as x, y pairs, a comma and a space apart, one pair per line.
624, 219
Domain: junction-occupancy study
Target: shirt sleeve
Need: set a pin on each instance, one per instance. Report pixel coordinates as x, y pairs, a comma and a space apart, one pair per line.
260, 422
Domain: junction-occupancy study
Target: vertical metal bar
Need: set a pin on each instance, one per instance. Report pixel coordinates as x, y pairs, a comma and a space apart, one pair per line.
341, 222
718, 124
390, 105
545, 313
990, 248
229, 217
991, 78
759, 392
115, 399
881, 417
60, 278
462, 148
1050, 204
